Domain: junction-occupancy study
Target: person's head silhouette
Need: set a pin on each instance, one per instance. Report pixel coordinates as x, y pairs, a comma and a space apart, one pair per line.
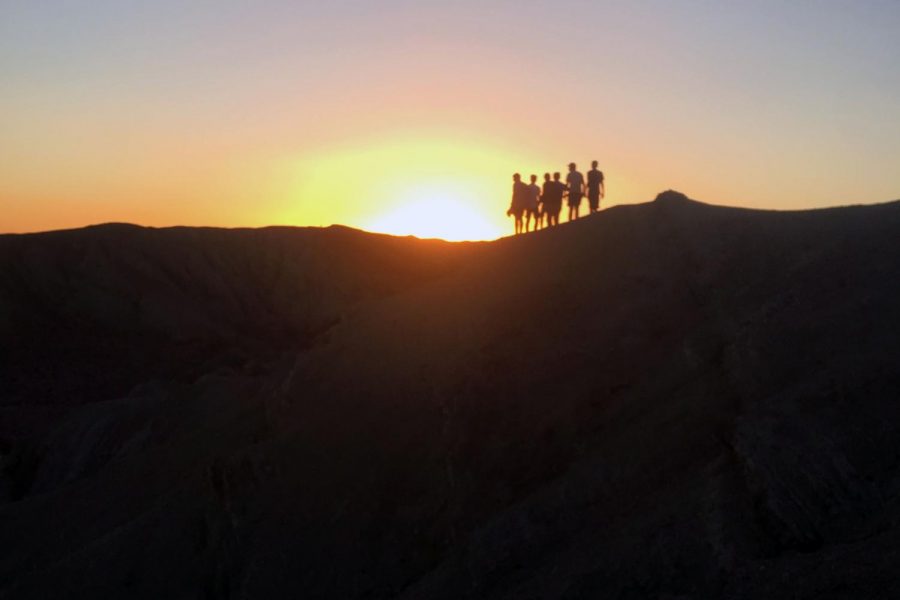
533, 178
546, 176
556, 176
594, 164
517, 177
571, 166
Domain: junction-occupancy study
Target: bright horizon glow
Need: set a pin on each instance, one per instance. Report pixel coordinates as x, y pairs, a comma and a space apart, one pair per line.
388, 114
426, 184
438, 210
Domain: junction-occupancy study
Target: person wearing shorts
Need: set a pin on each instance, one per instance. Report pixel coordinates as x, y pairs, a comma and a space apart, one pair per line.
519, 201
575, 184
595, 187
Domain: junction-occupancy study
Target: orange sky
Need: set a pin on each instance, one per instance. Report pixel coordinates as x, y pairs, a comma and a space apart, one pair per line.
410, 118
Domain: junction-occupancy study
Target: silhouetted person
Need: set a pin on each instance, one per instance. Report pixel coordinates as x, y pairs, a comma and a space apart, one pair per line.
575, 182
552, 198
519, 200
532, 208
543, 204
595, 187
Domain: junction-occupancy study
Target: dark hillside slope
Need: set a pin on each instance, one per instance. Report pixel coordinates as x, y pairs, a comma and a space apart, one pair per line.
90, 313
669, 400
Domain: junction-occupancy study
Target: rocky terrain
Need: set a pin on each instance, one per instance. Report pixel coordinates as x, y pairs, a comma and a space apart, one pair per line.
665, 400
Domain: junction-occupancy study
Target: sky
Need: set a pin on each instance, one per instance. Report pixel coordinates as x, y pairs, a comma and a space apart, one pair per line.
410, 117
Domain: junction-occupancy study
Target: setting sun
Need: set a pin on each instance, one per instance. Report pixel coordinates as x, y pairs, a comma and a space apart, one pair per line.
440, 210
430, 184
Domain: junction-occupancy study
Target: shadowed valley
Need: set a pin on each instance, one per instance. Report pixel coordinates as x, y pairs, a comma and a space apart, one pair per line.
664, 400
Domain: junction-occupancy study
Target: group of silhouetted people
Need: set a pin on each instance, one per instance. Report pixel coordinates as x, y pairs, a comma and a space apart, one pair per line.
542, 205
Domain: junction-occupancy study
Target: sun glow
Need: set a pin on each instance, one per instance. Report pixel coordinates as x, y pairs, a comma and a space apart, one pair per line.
438, 210
426, 185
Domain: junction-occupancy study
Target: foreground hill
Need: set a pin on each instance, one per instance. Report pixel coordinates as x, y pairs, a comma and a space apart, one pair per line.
667, 400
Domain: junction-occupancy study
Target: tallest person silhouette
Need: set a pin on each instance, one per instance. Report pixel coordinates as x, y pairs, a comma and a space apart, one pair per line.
596, 189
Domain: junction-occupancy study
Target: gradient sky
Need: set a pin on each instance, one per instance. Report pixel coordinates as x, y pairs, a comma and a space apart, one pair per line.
407, 116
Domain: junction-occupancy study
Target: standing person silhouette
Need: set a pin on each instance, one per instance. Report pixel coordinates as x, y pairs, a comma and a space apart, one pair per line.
532, 208
545, 187
596, 189
552, 197
575, 182
519, 199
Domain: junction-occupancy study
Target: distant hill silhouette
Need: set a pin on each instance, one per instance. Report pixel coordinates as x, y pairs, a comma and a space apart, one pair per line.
664, 400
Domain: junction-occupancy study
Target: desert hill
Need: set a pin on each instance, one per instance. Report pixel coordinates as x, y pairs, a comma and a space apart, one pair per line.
128, 303
666, 400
